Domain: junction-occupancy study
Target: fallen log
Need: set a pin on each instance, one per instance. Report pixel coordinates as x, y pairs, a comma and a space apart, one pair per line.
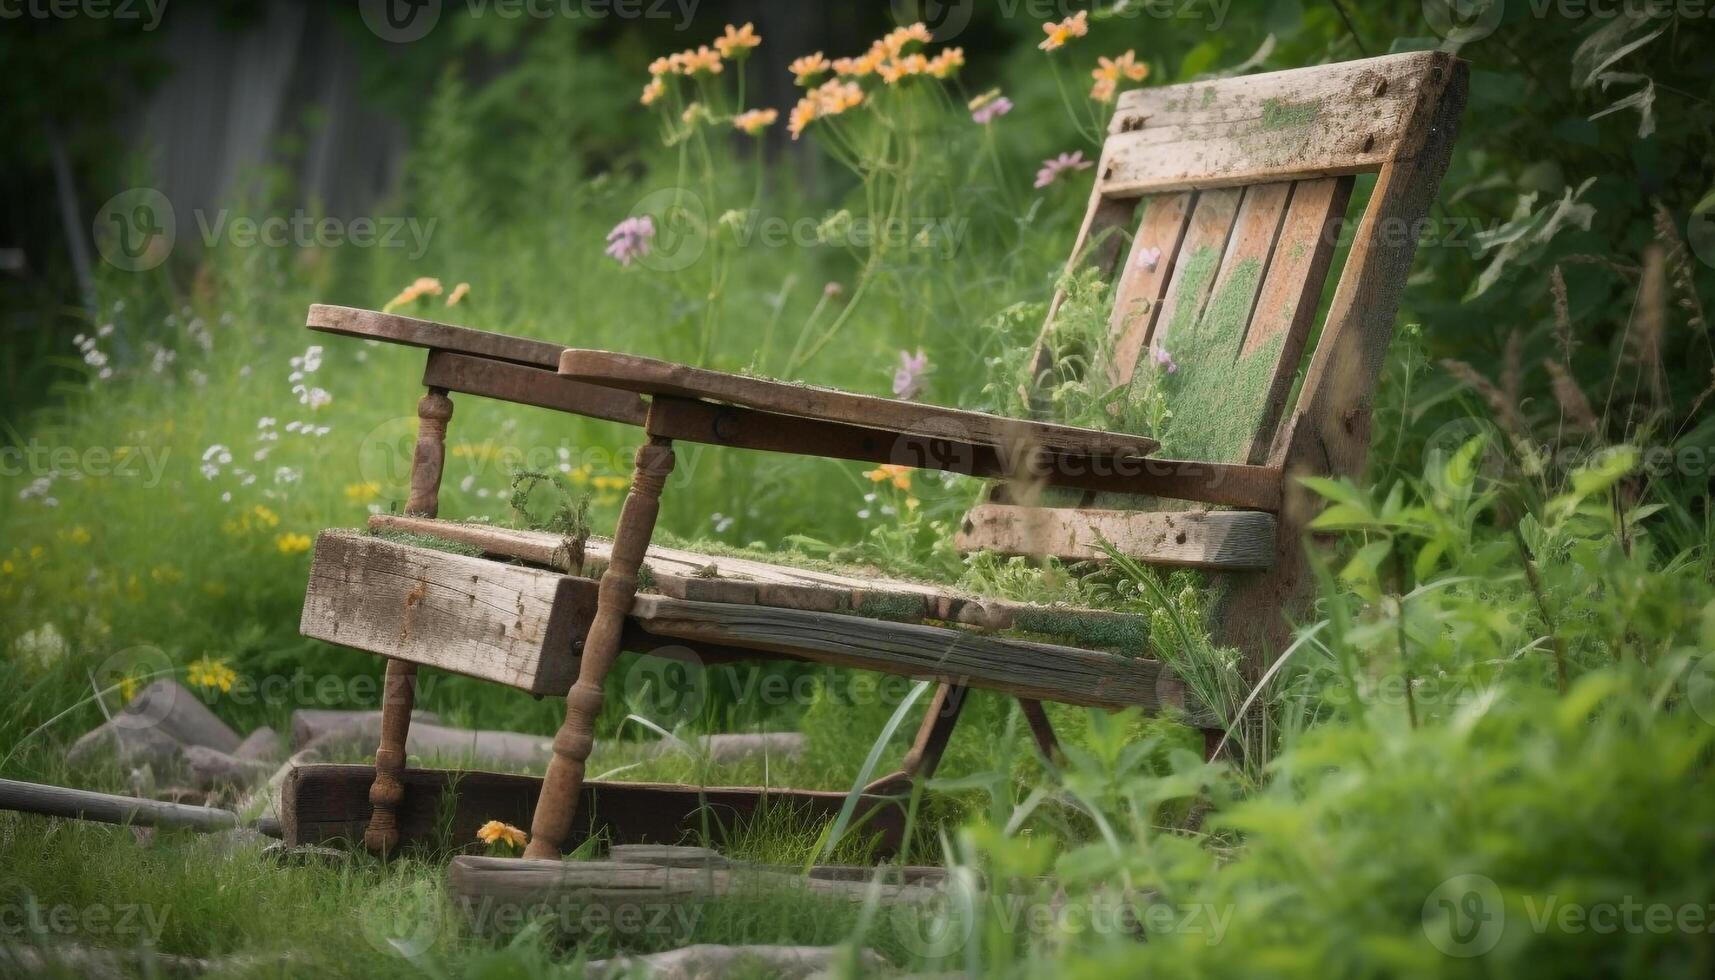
324, 804
77, 804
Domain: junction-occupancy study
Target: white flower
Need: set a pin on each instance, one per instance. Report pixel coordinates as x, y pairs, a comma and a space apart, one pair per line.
288, 474
265, 422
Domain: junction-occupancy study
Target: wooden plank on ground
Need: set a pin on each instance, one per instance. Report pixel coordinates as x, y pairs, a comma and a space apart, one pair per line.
1288, 125
324, 804
1229, 540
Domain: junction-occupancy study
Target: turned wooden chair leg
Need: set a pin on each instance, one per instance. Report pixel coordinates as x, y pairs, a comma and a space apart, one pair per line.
558, 803
1041, 729
399, 690
924, 756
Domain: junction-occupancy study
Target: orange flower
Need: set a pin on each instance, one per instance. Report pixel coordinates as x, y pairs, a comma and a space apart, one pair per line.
755, 121
1103, 90
1076, 25
906, 67
835, 97
945, 64
1125, 66
808, 68
700, 61
896, 40
495, 832
667, 65
424, 286
653, 92
737, 41
459, 292
803, 114
900, 475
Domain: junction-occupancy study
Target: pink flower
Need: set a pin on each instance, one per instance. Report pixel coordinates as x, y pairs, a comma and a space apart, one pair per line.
1148, 259
630, 239
1163, 359
908, 380
1053, 167
991, 110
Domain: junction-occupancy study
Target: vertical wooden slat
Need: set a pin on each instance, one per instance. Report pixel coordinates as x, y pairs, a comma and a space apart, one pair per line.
1101, 239
1141, 284
1198, 261
1286, 307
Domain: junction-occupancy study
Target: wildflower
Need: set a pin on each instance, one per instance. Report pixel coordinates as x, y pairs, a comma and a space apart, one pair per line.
896, 40
701, 61
947, 63
833, 290
835, 97
755, 121
861, 66
210, 674
459, 292
667, 65
495, 832
902, 68
1076, 25
722, 522
292, 544
908, 379
78, 535
1053, 167
424, 286
899, 475
362, 492
737, 42
610, 483
803, 114
630, 239
808, 68
693, 114
1103, 90
1126, 66
1148, 258
213, 458
1162, 359
987, 108
653, 92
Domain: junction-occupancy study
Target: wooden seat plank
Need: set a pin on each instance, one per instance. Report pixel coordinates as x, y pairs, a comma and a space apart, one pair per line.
653, 377
1228, 540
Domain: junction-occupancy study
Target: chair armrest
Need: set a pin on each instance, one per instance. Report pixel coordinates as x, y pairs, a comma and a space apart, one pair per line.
1014, 438
412, 332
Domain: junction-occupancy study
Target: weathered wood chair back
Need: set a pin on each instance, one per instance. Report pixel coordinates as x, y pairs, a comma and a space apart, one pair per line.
1216, 218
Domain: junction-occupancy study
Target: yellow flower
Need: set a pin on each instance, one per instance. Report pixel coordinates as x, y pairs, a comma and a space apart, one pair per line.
737, 41
292, 544
900, 475
77, 535
610, 483
459, 292
653, 92
424, 286
166, 574
265, 516
495, 832
756, 120
1076, 25
362, 492
128, 689
808, 68
945, 64
1103, 90
36, 552
701, 60
6, 567
1124, 66
210, 674
579, 476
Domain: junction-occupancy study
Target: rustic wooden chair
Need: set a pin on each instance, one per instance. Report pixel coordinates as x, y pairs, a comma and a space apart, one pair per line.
1246, 181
